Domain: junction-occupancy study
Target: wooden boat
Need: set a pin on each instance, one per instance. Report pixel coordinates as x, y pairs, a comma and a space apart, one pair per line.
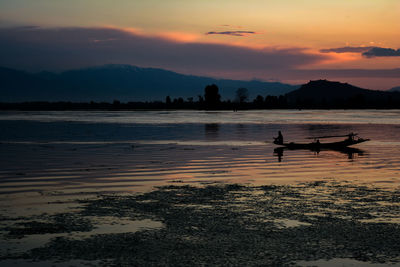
349, 151
316, 145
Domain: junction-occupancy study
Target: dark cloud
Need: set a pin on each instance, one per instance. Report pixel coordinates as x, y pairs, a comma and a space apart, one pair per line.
368, 51
347, 49
65, 48
233, 33
382, 52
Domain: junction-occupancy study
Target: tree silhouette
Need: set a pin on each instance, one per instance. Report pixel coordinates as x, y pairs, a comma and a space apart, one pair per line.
242, 95
258, 101
168, 100
211, 96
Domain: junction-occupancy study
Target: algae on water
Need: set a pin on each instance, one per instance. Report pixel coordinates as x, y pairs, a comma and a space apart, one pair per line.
229, 225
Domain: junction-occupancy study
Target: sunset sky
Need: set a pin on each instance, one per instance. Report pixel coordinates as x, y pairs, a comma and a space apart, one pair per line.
355, 41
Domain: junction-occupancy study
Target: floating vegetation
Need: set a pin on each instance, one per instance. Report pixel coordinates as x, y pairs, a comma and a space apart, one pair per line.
234, 225
59, 223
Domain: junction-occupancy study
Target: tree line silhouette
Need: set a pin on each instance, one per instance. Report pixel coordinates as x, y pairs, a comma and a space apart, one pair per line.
211, 100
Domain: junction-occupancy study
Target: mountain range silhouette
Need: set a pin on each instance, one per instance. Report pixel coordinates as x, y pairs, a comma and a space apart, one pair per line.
122, 82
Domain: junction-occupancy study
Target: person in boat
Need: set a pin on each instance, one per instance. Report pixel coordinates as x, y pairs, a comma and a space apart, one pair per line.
279, 140
350, 137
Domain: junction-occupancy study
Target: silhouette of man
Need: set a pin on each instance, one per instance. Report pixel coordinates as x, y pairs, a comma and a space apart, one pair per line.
351, 136
279, 139
317, 142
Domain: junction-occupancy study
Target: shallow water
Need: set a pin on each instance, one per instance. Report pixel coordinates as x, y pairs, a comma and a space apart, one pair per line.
133, 151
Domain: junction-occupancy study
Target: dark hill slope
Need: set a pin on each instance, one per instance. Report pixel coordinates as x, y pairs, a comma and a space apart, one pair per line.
323, 93
395, 89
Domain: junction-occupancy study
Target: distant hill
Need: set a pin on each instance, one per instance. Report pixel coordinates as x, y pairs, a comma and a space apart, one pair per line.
122, 82
395, 89
323, 93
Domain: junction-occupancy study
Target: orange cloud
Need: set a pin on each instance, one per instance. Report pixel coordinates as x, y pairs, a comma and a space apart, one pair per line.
331, 58
181, 37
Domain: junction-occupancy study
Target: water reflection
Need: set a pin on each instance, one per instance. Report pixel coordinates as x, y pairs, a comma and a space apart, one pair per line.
350, 152
211, 131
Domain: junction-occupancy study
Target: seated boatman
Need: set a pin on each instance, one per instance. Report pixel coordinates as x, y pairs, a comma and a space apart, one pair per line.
351, 136
279, 140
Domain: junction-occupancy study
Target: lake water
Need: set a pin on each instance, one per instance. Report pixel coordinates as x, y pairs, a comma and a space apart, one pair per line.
78, 151
50, 161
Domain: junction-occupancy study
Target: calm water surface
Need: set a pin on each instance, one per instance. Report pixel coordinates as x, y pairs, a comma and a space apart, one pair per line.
133, 151
49, 159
